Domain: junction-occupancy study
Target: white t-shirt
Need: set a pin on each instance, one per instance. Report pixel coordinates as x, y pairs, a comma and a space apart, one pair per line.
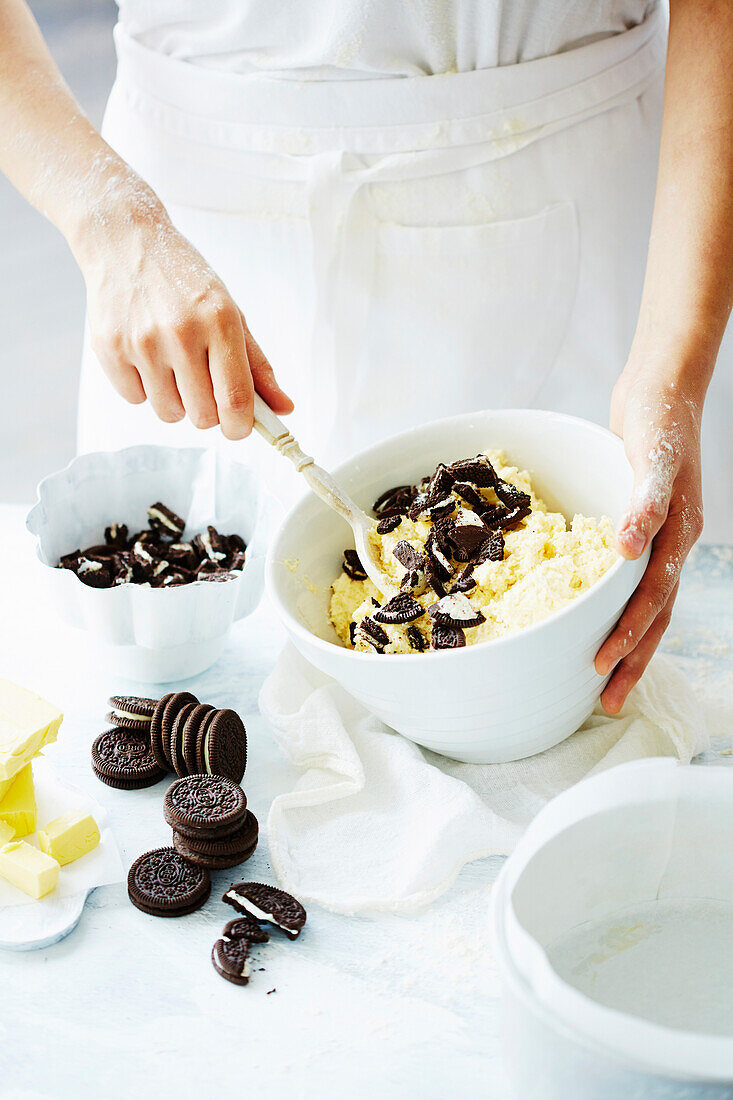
341, 39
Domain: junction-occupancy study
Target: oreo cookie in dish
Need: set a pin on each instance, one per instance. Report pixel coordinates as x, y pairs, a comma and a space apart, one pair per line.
475, 553
158, 557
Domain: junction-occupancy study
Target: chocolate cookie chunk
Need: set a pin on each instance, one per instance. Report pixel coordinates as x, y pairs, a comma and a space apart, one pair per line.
165, 521
402, 608
222, 746
156, 731
373, 633
230, 958
217, 854
122, 759
205, 802
389, 523
165, 884
394, 502
116, 535
244, 928
416, 639
456, 610
267, 903
447, 637
129, 712
352, 566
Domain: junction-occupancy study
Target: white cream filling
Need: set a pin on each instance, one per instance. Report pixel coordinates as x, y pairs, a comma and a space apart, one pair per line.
457, 607
129, 714
214, 555
89, 566
154, 513
258, 914
466, 518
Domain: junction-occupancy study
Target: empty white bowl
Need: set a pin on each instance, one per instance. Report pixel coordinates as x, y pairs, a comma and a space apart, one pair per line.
154, 635
612, 935
499, 700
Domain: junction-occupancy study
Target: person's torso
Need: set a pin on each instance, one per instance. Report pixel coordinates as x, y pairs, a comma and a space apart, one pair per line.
362, 39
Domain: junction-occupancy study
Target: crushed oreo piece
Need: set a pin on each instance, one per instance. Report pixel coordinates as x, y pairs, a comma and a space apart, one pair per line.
492, 549
455, 610
401, 608
447, 637
352, 566
408, 556
468, 532
376, 637
116, 535
389, 523
443, 508
352, 632
414, 582
478, 471
155, 557
394, 502
416, 639
464, 582
436, 555
468, 492
418, 506
165, 520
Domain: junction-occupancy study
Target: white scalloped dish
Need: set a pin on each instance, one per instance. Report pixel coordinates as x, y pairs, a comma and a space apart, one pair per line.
152, 635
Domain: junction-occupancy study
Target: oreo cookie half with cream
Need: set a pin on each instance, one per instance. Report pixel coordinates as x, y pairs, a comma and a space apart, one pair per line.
455, 610
267, 903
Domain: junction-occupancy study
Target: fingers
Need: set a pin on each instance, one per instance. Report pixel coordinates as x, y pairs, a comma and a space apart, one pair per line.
124, 377
649, 505
230, 374
263, 375
630, 670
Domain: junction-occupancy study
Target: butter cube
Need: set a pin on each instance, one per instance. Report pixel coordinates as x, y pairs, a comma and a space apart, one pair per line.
69, 836
33, 872
7, 832
5, 785
18, 808
27, 723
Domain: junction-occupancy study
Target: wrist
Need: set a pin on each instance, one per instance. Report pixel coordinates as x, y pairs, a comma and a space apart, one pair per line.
680, 364
117, 207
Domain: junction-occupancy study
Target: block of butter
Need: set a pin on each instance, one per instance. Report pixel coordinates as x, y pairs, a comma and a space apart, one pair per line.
69, 836
18, 808
7, 832
27, 723
33, 872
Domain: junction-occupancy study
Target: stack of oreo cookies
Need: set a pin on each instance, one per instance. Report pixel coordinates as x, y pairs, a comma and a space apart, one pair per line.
212, 826
150, 738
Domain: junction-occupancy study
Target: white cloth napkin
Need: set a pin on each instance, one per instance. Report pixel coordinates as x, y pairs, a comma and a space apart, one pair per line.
377, 824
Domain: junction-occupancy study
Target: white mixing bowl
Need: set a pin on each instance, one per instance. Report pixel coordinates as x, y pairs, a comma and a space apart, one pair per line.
499, 700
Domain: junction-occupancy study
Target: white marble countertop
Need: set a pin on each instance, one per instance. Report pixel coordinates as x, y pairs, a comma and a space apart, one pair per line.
130, 1005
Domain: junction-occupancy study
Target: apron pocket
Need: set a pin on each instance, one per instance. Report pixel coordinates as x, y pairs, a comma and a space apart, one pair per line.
464, 317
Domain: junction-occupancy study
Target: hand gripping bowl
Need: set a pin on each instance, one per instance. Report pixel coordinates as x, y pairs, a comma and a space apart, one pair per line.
152, 635
499, 700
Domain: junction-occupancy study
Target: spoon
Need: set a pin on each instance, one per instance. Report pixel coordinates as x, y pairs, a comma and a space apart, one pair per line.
272, 429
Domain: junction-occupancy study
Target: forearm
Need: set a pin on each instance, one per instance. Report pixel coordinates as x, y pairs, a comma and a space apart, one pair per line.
688, 289
49, 149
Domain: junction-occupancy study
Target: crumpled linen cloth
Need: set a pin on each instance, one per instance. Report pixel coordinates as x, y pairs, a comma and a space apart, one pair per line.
376, 823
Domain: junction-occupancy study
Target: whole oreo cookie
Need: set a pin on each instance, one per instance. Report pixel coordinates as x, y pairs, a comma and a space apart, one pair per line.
198, 716
165, 884
205, 802
222, 746
130, 712
175, 704
267, 903
230, 958
228, 851
156, 731
176, 737
123, 759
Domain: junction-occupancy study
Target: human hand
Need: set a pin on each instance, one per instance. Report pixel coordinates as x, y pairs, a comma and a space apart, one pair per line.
165, 328
658, 419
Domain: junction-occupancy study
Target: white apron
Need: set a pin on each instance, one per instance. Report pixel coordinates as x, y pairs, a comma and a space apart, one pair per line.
404, 249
